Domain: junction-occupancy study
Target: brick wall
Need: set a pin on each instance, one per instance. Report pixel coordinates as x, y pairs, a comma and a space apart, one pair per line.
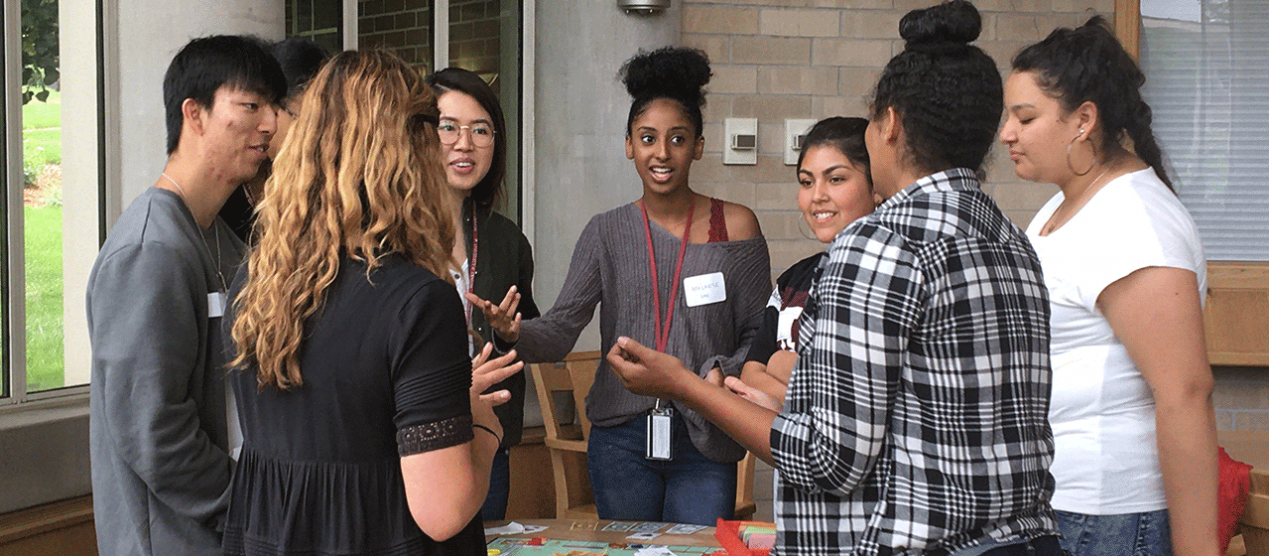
401, 26
777, 59
474, 35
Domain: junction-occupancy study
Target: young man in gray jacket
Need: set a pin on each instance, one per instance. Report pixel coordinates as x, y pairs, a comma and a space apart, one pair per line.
161, 426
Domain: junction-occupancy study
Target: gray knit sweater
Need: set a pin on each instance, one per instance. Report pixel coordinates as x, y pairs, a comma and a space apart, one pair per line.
610, 266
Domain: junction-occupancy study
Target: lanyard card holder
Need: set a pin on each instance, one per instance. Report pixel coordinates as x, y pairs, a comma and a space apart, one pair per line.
659, 441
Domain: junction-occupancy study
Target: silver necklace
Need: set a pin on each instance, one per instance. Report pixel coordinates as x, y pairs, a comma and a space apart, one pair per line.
216, 259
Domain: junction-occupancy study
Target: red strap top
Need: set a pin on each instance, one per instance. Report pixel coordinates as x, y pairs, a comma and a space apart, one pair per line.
717, 223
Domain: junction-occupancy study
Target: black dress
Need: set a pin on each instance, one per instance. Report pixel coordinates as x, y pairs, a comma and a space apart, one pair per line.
386, 374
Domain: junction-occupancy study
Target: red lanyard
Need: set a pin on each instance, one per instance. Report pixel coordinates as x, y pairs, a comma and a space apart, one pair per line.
663, 332
471, 266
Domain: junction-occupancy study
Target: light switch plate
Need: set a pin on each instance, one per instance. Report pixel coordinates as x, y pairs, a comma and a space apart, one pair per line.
792, 129
739, 126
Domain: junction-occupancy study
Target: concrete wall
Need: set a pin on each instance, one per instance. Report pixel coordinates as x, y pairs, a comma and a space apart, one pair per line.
147, 33
580, 114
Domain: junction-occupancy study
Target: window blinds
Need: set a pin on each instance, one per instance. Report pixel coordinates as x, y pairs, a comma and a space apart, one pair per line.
1207, 80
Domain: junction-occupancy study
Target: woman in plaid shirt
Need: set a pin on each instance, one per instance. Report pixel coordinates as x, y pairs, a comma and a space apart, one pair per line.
916, 416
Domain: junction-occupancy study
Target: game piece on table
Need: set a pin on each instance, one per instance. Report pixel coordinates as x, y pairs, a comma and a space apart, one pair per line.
643, 536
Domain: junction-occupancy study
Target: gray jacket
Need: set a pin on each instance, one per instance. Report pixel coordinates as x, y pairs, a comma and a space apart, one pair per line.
158, 434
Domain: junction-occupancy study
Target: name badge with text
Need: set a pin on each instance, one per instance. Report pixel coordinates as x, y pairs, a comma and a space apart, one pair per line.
704, 289
215, 305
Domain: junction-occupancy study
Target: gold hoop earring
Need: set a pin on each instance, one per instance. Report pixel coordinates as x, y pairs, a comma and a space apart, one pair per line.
1070, 166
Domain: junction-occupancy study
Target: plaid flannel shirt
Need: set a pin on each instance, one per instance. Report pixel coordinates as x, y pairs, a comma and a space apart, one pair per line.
916, 418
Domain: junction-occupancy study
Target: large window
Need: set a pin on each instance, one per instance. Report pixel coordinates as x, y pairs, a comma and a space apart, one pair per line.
1207, 63
52, 181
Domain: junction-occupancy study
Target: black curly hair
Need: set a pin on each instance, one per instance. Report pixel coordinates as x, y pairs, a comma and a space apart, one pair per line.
678, 74
947, 94
1087, 64
844, 134
300, 59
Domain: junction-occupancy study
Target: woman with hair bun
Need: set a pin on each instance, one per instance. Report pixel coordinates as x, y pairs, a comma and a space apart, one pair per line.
1132, 414
675, 269
915, 420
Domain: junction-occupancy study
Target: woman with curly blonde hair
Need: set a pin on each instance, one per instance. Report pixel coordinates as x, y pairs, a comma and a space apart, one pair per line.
363, 432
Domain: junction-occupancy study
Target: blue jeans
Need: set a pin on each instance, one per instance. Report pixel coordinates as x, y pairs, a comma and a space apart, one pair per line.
687, 489
495, 506
1143, 534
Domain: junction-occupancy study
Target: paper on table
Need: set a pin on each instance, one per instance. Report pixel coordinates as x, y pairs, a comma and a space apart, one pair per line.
685, 529
654, 551
512, 528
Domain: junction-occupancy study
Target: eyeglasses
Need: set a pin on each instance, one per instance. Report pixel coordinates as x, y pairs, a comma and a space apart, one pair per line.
482, 135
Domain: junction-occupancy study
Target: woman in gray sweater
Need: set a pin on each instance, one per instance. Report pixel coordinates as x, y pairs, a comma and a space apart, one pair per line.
677, 270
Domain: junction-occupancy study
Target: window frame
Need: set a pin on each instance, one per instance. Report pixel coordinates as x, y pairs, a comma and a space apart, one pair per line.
13, 368
1237, 314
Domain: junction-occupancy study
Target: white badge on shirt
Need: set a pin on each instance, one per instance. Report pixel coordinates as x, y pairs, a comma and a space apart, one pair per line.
704, 289
215, 305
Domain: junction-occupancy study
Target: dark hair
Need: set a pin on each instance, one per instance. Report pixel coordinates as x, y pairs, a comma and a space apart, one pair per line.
487, 192
947, 94
844, 134
678, 74
300, 59
1087, 64
205, 65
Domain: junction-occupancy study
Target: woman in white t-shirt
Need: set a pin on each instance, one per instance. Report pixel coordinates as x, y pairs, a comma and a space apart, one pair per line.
1135, 459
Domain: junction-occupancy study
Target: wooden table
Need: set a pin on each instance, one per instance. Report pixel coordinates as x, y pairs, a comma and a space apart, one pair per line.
592, 530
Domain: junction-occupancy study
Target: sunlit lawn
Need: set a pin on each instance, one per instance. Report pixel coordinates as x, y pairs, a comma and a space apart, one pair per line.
44, 360
42, 144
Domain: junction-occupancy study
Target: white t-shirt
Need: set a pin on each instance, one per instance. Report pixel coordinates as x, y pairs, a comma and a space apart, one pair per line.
1102, 412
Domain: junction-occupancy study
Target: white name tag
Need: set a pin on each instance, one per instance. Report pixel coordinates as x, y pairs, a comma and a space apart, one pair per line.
704, 289
215, 305
784, 329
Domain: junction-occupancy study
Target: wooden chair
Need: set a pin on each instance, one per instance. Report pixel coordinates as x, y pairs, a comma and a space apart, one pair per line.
745, 506
567, 441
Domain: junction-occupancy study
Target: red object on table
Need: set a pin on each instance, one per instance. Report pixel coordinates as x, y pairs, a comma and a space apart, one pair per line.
728, 535
1231, 497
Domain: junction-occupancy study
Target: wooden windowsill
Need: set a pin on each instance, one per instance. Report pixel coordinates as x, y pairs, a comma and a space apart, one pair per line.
23, 524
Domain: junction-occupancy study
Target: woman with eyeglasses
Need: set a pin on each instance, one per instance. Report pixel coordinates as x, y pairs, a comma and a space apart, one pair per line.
492, 257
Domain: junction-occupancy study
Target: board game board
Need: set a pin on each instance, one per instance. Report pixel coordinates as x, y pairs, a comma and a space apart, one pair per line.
521, 546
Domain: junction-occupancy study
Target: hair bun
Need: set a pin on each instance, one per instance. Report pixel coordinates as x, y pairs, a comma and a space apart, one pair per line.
679, 73
956, 21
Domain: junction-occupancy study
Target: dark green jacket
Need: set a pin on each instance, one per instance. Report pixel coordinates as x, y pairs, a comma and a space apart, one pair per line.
505, 259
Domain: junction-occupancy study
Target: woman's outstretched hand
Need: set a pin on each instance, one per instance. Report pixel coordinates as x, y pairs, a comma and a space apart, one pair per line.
503, 317
486, 372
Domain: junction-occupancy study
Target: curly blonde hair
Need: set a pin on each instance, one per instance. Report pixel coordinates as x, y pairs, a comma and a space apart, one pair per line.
359, 175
